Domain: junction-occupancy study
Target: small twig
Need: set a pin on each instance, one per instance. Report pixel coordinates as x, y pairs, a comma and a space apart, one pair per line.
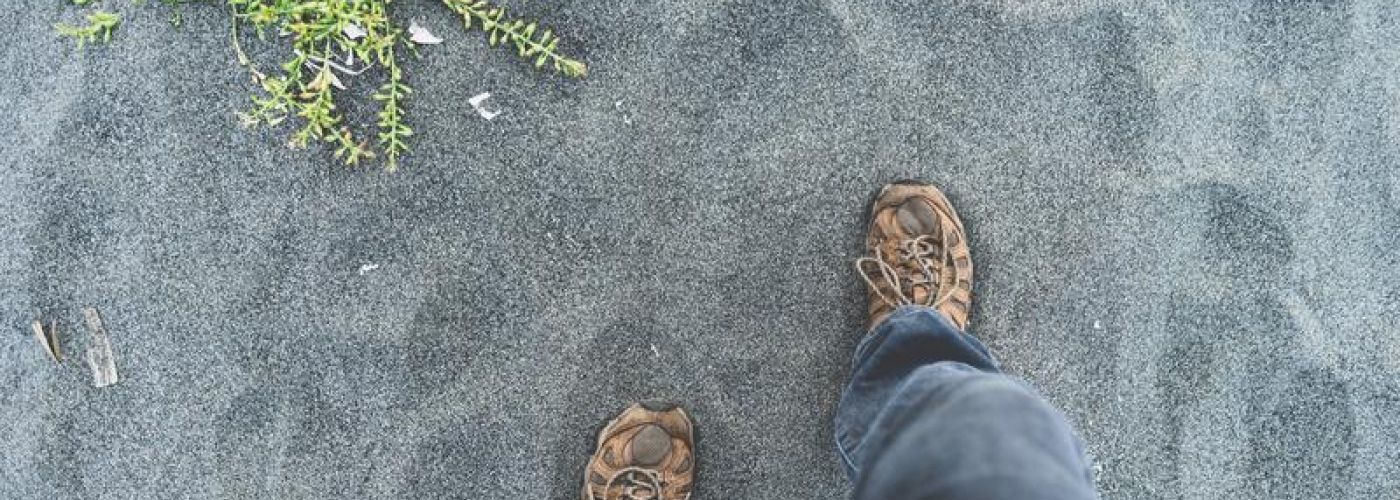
49, 339
99, 353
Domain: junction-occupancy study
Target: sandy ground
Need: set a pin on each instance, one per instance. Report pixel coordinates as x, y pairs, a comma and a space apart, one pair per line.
1183, 216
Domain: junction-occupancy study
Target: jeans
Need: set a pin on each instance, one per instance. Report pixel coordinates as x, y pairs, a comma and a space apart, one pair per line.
928, 415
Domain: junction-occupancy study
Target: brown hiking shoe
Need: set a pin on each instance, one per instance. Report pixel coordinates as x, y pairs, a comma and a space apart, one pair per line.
647, 453
917, 254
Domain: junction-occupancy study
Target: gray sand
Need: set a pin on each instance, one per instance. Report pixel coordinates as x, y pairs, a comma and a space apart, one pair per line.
1184, 221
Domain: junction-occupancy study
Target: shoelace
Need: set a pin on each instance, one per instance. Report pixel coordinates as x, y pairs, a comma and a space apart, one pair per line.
637, 484
923, 253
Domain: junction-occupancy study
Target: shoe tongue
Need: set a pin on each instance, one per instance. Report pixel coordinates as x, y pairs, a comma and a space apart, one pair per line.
916, 218
650, 446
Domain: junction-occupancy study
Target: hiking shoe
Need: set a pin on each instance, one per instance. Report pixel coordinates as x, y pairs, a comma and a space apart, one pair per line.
916, 254
647, 453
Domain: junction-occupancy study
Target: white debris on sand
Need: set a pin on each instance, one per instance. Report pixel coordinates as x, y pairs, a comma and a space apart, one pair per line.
421, 36
477, 102
99, 352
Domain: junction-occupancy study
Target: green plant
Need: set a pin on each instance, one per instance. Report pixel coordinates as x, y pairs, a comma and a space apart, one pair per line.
529, 41
323, 32
99, 27
392, 130
333, 42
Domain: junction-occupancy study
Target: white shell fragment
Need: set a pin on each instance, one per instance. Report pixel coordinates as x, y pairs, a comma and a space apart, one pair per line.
99, 351
421, 36
477, 102
354, 31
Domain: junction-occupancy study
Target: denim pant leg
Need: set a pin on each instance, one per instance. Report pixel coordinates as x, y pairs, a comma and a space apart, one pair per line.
927, 414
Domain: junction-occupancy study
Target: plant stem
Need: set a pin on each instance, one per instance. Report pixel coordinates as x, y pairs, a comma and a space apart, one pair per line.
519, 32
